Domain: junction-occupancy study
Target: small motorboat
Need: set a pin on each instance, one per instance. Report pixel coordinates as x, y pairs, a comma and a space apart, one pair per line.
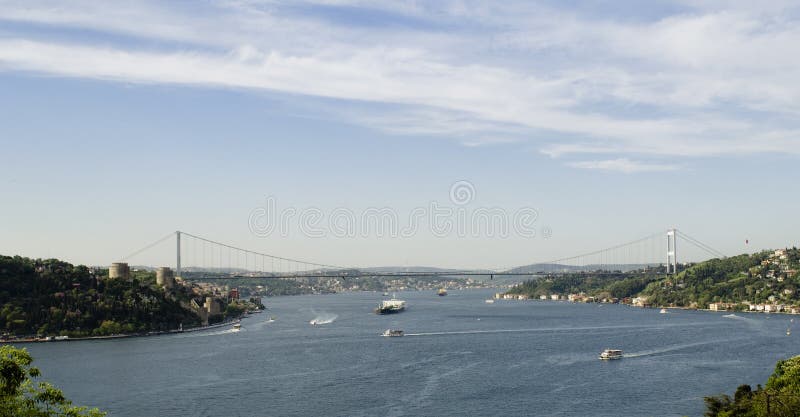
611, 354
663, 311
392, 333
237, 327
489, 301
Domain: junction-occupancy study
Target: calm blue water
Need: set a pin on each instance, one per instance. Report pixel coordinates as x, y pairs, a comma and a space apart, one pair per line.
471, 358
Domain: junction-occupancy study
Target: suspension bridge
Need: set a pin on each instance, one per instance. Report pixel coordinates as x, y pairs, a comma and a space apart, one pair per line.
656, 253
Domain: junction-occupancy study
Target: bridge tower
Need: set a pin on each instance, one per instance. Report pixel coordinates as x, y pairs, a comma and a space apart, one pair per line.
178, 258
672, 251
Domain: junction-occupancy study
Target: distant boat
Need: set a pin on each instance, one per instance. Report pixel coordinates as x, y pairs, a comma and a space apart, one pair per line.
386, 294
442, 292
392, 333
237, 327
489, 301
611, 354
789, 331
663, 311
271, 319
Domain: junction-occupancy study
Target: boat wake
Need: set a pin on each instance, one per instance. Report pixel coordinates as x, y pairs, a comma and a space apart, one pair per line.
261, 324
208, 333
543, 329
744, 319
324, 318
673, 348
748, 320
483, 332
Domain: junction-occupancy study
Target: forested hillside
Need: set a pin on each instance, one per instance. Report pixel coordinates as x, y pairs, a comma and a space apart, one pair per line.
51, 297
765, 277
768, 277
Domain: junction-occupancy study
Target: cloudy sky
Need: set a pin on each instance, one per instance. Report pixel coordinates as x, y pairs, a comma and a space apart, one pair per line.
122, 122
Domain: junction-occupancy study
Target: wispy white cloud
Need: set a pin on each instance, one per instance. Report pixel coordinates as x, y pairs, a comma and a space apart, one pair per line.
624, 165
716, 79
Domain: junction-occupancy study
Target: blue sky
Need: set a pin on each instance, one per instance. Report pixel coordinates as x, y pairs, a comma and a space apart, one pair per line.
120, 123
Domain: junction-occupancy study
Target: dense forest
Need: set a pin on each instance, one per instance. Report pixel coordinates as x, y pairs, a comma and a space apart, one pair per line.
51, 297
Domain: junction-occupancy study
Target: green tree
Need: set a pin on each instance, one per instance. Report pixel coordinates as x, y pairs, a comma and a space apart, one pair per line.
21, 397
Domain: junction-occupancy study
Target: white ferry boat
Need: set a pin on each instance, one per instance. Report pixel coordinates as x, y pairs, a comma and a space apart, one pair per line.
391, 306
611, 354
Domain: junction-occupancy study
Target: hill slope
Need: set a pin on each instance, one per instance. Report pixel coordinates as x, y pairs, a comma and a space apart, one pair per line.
51, 297
769, 277
765, 277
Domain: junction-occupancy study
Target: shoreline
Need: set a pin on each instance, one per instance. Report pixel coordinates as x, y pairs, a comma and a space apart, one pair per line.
788, 313
53, 339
